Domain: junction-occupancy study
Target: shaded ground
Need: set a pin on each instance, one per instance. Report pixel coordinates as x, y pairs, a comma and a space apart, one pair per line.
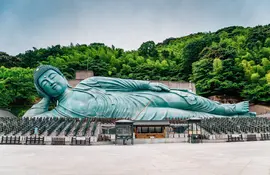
180, 158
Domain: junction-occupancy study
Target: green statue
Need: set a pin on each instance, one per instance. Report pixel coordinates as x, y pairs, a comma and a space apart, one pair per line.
122, 98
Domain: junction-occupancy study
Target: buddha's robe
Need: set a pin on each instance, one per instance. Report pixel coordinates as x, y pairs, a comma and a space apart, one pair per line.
118, 98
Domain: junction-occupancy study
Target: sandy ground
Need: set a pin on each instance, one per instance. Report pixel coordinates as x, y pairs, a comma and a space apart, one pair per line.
247, 158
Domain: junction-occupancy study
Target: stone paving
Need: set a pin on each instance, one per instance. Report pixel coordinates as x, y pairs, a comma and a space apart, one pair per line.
247, 158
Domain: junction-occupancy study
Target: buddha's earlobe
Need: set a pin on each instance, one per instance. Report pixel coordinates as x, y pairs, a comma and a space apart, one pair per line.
67, 83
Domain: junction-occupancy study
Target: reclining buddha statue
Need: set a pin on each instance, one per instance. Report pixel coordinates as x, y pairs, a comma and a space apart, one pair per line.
122, 98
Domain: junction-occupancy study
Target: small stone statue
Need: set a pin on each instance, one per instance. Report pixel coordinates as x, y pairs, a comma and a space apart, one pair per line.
122, 98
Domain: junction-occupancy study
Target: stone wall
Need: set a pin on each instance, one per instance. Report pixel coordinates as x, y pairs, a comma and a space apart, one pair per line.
83, 74
79, 76
260, 110
5, 113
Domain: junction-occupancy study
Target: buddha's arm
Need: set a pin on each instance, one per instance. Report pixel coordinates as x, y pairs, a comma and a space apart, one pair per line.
38, 108
122, 84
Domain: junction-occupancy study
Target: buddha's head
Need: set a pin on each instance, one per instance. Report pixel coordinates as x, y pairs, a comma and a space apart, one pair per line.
49, 81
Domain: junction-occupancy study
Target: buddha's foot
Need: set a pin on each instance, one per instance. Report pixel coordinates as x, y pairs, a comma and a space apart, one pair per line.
242, 107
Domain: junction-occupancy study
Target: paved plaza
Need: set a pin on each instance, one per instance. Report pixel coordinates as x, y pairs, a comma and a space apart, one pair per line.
247, 158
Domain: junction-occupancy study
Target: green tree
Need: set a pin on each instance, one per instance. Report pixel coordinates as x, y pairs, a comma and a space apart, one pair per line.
217, 65
148, 49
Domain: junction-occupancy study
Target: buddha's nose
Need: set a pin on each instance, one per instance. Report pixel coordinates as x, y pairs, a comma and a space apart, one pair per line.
50, 81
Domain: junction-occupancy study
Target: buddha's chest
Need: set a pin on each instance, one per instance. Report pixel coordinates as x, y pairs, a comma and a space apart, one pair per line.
81, 103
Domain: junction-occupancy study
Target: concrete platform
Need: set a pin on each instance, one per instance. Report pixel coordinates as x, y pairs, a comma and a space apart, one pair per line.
247, 158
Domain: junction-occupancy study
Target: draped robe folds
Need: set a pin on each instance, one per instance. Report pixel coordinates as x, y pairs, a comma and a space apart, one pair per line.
124, 98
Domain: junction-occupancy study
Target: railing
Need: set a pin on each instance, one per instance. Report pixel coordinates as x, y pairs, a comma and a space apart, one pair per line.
34, 141
58, 141
265, 136
251, 137
238, 138
80, 141
10, 140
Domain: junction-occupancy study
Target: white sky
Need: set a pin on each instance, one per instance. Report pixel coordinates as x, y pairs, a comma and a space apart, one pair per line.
124, 23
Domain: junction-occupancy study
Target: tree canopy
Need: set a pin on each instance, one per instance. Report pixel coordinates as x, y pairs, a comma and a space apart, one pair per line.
231, 61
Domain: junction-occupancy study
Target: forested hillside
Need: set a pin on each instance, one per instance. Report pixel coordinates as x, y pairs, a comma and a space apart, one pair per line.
234, 61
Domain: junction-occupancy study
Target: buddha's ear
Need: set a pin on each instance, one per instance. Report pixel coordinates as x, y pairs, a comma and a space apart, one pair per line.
67, 83
47, 97
43, 95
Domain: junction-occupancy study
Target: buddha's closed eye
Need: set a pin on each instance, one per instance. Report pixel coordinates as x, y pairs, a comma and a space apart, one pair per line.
44, 83
52, 75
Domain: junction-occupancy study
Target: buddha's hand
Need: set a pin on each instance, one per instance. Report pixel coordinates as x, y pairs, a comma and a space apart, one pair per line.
158, 87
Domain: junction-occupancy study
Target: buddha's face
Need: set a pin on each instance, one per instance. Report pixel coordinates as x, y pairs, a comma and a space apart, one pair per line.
52, 83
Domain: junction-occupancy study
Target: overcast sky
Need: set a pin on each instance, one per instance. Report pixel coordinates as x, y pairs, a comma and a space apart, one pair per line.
124, 23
